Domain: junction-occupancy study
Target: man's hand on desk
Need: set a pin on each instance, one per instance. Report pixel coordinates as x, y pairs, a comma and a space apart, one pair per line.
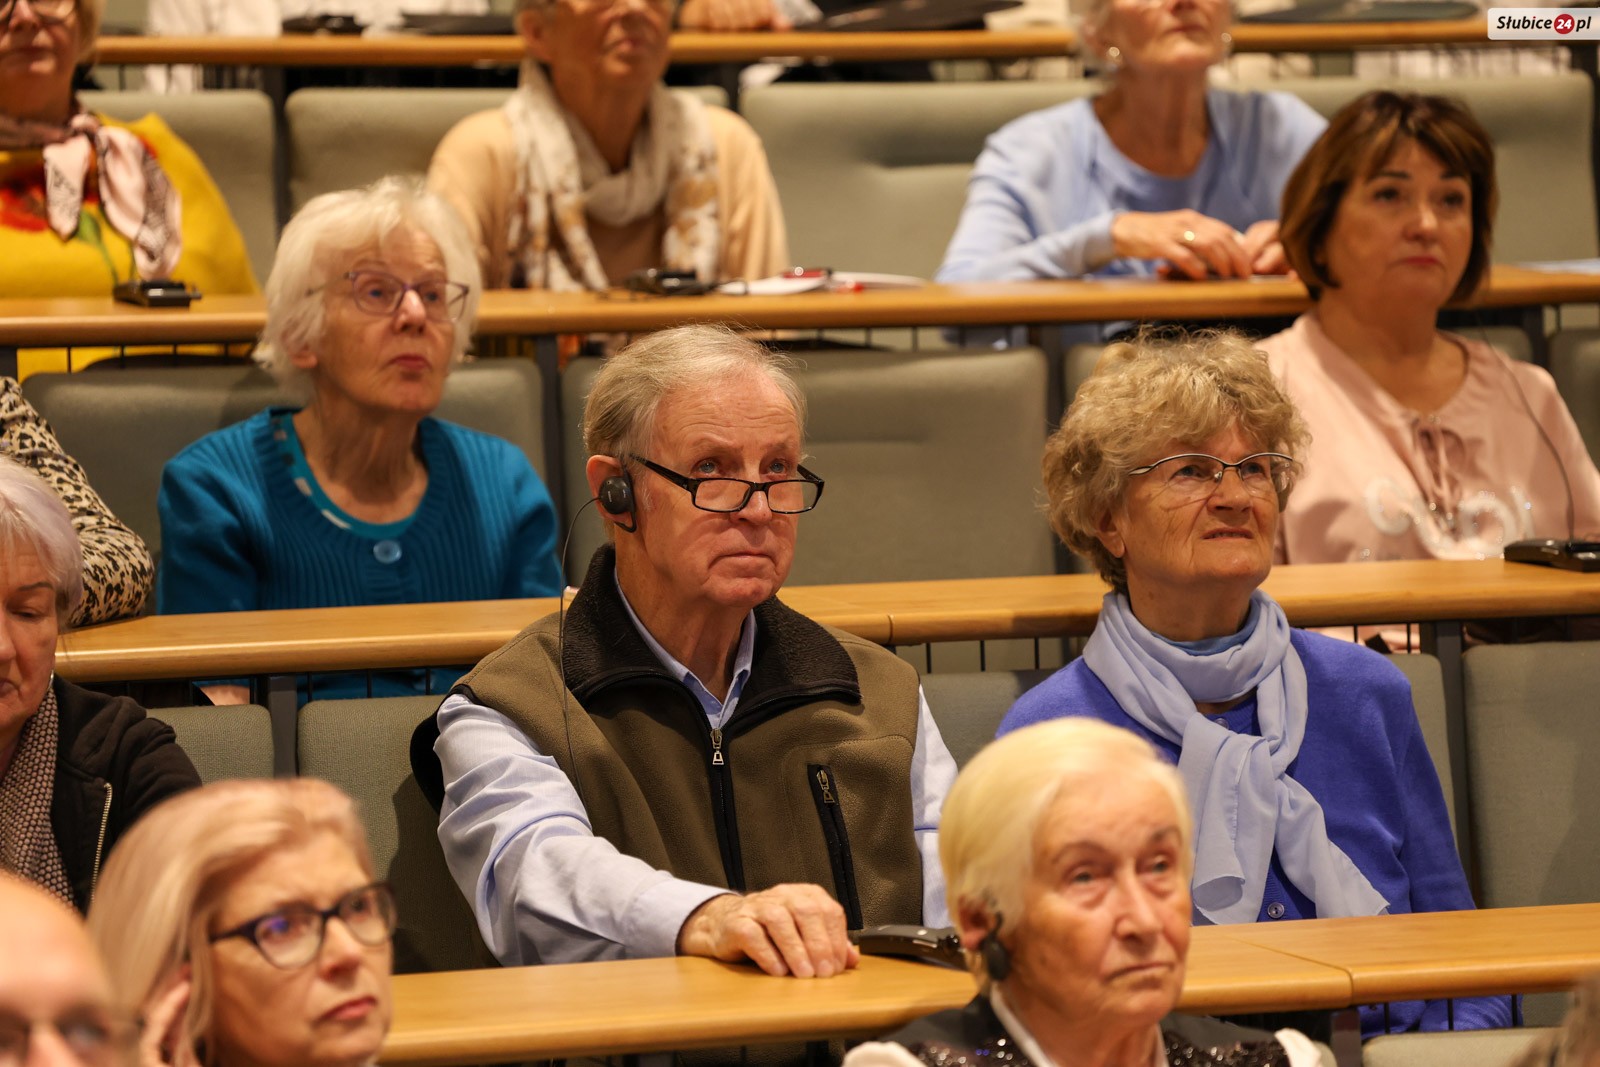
788, 929
731, 16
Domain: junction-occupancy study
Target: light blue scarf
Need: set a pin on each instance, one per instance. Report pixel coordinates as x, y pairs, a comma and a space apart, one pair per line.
1245, 804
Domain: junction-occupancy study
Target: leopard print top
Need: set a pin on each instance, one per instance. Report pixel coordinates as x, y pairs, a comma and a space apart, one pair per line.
116, 565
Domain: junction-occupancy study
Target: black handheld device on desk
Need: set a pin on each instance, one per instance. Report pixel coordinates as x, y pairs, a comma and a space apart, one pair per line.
1568, 555
941, 945
155, 293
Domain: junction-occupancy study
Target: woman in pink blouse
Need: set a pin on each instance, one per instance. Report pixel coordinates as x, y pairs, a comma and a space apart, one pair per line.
1424, 443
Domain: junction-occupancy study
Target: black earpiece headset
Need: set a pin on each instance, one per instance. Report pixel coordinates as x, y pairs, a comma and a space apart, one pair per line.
616, 497
996, 957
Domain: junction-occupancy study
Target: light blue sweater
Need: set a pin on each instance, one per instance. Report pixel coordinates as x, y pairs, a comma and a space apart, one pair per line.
1364, 759
1044, 191
239, 534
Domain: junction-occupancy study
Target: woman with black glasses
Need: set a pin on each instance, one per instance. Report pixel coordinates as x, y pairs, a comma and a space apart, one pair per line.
242, 922
358, 496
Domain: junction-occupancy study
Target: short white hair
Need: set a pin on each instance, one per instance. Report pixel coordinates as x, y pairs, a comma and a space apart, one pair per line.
330, 232
619, 415
986, 832
33, 519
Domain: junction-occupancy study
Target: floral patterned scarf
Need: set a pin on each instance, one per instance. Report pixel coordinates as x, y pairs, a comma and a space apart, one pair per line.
139, 201
562, 179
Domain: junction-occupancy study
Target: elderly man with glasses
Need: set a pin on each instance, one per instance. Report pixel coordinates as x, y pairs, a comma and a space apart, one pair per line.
680, 763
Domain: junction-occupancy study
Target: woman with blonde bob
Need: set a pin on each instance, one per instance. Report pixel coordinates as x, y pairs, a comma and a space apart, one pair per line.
358, 495
216, 919
1066, 852
1312, 789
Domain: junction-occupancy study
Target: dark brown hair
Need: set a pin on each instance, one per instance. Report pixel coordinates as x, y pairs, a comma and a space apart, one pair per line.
1356, 144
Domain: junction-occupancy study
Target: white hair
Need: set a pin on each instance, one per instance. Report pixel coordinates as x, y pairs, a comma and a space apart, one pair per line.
33, 519
992, 813
619, 414
328, 234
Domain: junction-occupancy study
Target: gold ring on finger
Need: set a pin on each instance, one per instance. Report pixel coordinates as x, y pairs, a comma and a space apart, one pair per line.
1188, 237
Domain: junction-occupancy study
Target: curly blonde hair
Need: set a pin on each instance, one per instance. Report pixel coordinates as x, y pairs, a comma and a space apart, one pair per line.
1143, 395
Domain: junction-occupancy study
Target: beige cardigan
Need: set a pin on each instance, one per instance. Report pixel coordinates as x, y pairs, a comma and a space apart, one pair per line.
474, 168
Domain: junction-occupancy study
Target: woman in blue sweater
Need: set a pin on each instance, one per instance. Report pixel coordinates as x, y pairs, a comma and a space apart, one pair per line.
1313, 792
359, 496
1159, 173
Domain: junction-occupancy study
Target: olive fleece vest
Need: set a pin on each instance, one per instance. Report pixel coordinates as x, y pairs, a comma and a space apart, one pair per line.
809, 781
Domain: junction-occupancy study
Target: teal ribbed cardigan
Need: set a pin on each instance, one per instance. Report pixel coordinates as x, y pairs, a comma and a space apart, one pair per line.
237, 534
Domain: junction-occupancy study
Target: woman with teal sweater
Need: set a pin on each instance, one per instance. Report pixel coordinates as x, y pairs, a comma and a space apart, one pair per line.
359, 496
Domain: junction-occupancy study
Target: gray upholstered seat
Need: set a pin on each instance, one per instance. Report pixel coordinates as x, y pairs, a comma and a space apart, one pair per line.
234, 134
1575, 365
931, 462
1427, 696
1533, 741
967, 706
873, 177
123, 426
363, 747
1492, 1048
231, 742
341, 138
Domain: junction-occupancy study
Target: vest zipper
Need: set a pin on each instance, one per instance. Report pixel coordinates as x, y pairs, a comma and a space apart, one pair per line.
722, 807
100, 843
825, 792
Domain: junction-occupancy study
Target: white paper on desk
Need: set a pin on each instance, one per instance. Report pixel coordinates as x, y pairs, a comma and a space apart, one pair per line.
1566, 266
788, 284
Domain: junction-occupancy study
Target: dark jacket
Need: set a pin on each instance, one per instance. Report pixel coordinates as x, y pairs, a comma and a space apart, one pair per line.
113, 764
808, 781
974, 1034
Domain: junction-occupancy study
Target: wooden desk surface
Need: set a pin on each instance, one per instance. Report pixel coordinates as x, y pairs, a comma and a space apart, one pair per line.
101, 321
413, 635
1445, 954
1318, 594
692, 47
528, 1013
594, 1009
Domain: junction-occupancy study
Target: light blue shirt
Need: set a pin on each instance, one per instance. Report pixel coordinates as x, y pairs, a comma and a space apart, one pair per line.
1047, 187
545, 889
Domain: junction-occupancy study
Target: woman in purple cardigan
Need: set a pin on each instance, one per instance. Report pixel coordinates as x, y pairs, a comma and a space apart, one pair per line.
1313, 792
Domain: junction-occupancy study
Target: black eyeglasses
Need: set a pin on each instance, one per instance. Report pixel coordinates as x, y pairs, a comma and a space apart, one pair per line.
792, 496
48, 11
1195, 475
292, 936
94, 1036
380, 293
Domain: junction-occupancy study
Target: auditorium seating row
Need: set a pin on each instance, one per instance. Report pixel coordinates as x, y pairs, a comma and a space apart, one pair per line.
1530, 737
931, 459
872, 177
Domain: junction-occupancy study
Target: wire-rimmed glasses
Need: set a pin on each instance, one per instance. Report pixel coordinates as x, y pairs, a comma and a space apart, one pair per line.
52, 11
292, 936
791, 496
378, 292
1195, 475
